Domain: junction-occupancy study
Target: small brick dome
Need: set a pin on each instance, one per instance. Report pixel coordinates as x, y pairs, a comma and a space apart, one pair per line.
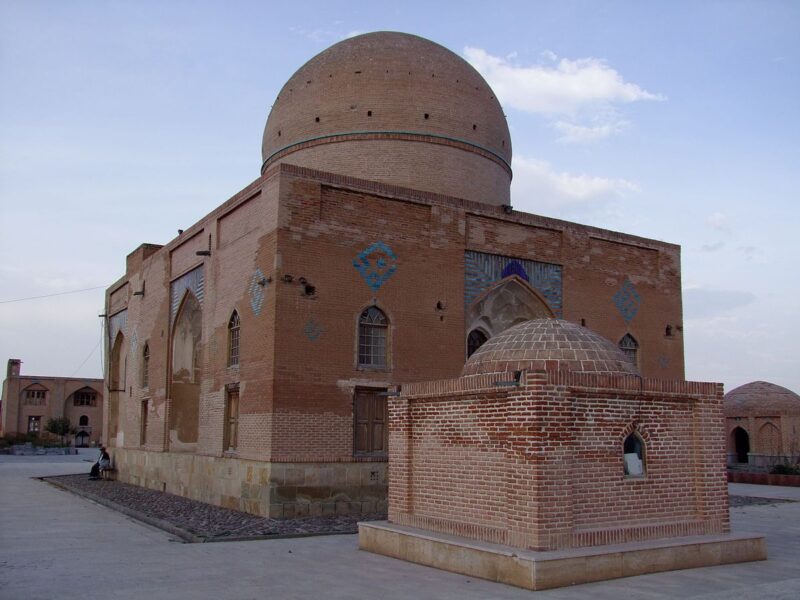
549, 344
398, 109
762, 398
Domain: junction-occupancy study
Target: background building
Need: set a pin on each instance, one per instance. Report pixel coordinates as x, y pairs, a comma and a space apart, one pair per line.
249, 357
763, 425
30, 400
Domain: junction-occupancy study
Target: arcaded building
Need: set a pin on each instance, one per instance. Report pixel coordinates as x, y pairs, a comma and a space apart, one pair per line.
29, 401
250, 358
763, 425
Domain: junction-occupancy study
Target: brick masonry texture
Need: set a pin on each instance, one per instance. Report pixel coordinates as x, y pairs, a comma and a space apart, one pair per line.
298, 370
430, 116
540, 466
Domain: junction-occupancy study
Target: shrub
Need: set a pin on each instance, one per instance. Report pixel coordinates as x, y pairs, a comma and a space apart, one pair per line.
785, 469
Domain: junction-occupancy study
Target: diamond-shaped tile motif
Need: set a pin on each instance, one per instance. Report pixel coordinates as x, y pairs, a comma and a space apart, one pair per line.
376, 264
258, 285
627, 300
313, 330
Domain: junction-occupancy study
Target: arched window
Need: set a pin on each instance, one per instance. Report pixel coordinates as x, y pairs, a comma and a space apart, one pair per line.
146, 366
233, 340
83, 421
372, 338
634, 455
475, 340
629, 347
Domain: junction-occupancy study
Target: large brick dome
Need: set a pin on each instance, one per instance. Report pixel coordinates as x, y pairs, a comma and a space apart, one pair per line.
398, 109
762, 398
549, 344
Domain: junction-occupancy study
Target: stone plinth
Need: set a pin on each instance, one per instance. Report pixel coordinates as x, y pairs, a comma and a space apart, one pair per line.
545, 570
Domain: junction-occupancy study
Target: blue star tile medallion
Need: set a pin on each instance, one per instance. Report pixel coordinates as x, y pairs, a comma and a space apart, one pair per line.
257, 291
627, 300
376, 264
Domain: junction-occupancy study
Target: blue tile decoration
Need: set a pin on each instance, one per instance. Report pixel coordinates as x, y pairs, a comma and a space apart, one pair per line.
257, 290
482, 271
313, 330
376, 264
663, 361
117, 323
192, 281
627, 300
514, 268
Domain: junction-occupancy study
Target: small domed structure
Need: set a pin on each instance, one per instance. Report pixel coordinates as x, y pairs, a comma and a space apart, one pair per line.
761, 398
398, 109
549, 344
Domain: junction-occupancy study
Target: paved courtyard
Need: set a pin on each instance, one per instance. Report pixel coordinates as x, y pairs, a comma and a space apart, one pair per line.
54, 544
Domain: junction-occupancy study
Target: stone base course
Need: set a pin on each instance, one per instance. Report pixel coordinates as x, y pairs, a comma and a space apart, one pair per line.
545, 570
267, 489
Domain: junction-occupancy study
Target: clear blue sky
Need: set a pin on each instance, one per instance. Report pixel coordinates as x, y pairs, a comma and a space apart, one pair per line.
121, 122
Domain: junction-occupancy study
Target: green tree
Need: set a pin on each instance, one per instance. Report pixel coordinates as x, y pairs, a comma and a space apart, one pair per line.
59, 426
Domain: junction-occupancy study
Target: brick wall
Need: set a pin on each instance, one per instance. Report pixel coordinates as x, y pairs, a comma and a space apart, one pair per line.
540, 465
298, 371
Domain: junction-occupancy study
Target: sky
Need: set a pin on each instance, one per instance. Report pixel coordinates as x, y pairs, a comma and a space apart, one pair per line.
122, 122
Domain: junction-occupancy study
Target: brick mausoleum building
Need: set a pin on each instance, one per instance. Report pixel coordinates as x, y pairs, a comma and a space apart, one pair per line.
551, 440
30, 400
763, 425
249, 357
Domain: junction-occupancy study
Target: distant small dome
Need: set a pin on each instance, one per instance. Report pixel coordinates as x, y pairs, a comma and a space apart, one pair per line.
761, 397
398, 109
549, 344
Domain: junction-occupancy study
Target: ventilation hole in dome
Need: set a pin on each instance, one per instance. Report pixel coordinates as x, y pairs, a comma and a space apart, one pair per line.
426, 115
504, 143
583, 322
458, 81
330, 74
317, 119
474, 127
307, 82
279, 133
369, 113
433, 74
358, 72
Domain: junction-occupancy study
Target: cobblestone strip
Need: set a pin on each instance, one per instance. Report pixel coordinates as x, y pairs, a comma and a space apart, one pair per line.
195, 521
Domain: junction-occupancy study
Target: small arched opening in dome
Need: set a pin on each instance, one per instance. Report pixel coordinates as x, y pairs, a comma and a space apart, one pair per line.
634, 455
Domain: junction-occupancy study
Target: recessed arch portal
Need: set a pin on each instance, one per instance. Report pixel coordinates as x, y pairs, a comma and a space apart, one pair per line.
741, 444
185, 375
509, 302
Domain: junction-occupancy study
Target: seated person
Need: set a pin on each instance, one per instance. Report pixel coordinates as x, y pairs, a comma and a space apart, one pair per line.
105, 461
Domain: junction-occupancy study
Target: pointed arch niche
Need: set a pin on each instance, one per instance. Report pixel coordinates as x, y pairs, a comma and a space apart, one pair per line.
117, 377
510, 301
185, 375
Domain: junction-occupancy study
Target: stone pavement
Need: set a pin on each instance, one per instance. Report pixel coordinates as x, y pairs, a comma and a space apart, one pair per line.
54, 544
199, 522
